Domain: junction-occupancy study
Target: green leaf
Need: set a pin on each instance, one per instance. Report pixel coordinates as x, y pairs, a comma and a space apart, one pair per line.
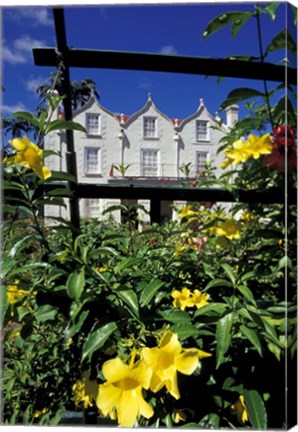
218, 308
252, 336
59, 175
64, 125
236, 19
42, 121
271, 9
63, 192
130, 298
247, 293
284, 262
217, 282
256, 409
103, 251
229, 272
45, 313
184, 331
47, 153
27, 116
19, 245
283, 108
25, 268
75, 284
175, 317
126, 263
282, 41
97, 339
11, 185
223, 337
71, 330
150, 290
239, 95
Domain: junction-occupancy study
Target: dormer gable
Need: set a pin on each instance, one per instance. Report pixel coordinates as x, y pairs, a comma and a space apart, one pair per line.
148, 107
200, 114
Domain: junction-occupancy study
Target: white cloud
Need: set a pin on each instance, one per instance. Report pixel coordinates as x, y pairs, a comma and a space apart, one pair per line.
13, 57
168, 50
9, 109
21, 49
33, 82
33, 16
26, 43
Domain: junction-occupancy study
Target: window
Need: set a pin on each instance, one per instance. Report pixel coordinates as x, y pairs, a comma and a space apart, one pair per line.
202, 130
201, 159
149, 163
92, 160
93, 208
93, 124
150, 127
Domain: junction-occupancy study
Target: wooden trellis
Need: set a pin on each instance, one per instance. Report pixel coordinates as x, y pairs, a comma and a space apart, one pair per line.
64, 57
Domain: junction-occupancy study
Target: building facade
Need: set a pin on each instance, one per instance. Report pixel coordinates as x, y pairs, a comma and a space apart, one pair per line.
147, 147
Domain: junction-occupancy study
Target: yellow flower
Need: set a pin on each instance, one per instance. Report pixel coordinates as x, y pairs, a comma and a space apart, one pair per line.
186, 212
14, 293
30, 156
227, 162
123, 391
247, 216
185, 298
239, 152
85, 390
239, 409
199, 299
38, 413
259, 145
182, 298
166, 360
102, 269
179, 415
228, 228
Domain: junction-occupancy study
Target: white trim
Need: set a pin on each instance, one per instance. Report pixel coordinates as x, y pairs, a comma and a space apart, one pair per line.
156, 134
153, 151
201, 152
207, 136
98, 117
86, 150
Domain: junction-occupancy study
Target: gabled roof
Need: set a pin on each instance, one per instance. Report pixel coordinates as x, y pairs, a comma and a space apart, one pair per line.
92, 101
126, 120
198, 113
145, 108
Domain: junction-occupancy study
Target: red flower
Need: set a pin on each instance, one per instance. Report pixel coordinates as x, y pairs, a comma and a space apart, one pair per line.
283, 130
284, 146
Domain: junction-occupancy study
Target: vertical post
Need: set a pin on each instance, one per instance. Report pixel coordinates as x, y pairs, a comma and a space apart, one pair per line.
71, 162
155, 210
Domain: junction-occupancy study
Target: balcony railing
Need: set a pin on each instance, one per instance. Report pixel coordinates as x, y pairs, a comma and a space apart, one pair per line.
154, 171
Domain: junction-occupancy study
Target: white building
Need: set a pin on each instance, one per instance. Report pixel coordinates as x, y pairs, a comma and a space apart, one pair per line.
148, 147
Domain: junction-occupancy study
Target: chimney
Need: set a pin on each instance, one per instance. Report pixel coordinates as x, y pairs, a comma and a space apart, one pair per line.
232, 115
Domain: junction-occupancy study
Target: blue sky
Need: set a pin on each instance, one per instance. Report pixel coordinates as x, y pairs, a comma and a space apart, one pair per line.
169, 29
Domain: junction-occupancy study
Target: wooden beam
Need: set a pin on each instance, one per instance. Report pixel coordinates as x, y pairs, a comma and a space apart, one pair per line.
71, 163
86, 58
172, 193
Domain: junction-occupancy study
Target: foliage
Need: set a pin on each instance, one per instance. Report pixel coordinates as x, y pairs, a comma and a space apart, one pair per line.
81, 91
189, 323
